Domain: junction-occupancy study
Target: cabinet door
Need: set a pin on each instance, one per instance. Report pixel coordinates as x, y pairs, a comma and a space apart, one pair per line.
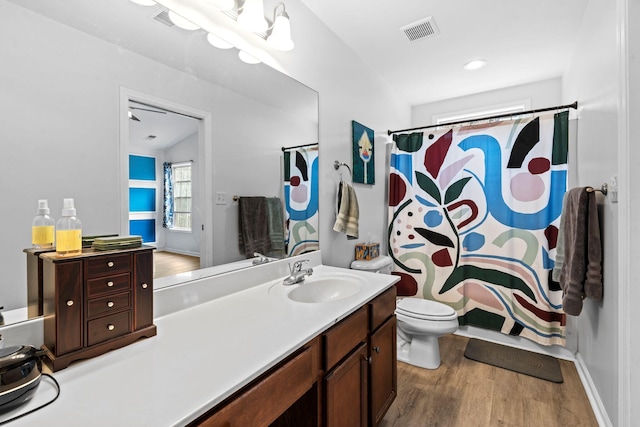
67, 280
143, 289
346, 392
383, 379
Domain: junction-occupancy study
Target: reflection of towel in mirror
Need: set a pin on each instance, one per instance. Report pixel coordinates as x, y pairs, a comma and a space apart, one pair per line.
347, 211
253, 229
581, 274
276, 226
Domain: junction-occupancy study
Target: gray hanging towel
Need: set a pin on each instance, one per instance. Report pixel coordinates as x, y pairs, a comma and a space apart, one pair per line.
253, 227
276, 226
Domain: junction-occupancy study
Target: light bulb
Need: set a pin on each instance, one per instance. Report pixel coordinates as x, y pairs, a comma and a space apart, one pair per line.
216, 41
475, 64
249, 59
252, 16
280, 37
182, 22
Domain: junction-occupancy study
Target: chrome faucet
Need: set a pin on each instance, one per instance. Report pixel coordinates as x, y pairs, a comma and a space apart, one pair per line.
297, 273
260, 259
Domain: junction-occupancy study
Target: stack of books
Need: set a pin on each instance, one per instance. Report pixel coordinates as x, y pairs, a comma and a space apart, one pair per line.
116, 242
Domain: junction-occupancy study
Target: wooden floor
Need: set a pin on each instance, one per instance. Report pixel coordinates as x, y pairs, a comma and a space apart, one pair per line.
463, 392
169, 263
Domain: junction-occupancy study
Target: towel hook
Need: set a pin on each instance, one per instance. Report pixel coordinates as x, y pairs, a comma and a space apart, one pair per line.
337, 164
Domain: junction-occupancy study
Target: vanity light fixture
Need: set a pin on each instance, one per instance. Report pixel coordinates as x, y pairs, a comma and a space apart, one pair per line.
218, 42
280, 37
181, 22
144, 2
251, 17
475, 64
221, 4
249, 59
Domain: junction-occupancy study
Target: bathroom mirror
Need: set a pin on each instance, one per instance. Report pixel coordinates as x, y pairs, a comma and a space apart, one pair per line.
71, 69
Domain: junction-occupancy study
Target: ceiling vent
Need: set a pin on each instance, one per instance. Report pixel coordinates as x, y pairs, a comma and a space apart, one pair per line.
420, 30
162, 17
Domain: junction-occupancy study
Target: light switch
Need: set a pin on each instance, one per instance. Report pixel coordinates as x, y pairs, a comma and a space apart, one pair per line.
221, 198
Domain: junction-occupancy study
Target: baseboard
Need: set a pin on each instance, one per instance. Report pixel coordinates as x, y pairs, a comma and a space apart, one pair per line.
592, 393
180, 251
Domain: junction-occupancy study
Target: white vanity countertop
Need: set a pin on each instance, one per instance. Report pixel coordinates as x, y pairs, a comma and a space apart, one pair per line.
201, 355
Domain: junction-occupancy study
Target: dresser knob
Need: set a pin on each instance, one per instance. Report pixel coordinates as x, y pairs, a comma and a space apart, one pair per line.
144, 286
70, 303
110, 264
111, 327
110, 304
109, 284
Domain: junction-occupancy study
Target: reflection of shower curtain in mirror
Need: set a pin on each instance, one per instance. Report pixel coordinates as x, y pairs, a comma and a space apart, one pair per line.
474, 214
301, 200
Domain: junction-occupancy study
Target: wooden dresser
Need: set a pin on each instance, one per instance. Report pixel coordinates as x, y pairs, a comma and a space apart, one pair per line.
96, 302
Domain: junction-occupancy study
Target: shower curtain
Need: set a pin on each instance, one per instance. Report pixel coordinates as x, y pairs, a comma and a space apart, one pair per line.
473, 222
301, 200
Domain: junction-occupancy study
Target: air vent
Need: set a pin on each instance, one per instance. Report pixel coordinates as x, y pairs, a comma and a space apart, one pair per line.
420, 30
162, 17
150, 138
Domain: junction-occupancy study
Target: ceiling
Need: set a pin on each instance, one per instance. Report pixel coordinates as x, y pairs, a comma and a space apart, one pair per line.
522, 41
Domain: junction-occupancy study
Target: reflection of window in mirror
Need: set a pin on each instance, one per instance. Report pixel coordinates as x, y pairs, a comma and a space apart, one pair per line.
181, 179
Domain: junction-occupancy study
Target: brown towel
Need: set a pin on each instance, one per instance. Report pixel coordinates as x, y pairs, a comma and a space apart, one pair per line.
581, 274
253, 227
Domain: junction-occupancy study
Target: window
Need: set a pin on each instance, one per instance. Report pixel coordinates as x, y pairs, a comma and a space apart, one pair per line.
181, 178
493, 110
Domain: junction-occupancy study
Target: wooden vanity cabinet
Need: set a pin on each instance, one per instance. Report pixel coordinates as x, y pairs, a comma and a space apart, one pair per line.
346, 377
95, 302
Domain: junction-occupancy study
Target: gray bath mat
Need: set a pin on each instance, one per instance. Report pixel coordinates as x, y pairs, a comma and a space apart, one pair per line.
514, 359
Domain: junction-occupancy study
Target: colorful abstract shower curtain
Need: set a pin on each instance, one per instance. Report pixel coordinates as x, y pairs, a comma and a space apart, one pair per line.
301, 200
474, 214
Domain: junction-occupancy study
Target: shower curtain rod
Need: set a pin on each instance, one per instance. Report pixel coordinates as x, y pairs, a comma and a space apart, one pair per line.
298, 146
499, 116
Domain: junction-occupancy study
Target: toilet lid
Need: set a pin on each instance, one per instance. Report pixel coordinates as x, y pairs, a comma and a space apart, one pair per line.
425, 309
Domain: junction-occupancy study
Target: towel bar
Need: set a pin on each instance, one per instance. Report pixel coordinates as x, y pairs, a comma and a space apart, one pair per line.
604, 189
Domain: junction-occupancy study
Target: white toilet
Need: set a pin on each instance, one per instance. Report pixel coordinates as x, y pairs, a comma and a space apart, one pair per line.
420, 322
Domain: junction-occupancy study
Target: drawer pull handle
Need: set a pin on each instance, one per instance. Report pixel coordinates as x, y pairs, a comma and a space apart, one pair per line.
144, 286
110, 304
111, 327
109, 284
69, 303
110, 264
376, 349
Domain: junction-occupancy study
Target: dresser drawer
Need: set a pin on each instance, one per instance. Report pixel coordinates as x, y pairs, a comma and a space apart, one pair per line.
108, 285
108, 264
108, 304
341, 339
107, 327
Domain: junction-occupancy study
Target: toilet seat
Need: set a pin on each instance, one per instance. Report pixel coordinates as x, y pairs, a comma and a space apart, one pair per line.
423, 309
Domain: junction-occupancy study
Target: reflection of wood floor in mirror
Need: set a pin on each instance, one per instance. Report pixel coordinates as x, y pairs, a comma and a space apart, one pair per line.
463, 392
169, 263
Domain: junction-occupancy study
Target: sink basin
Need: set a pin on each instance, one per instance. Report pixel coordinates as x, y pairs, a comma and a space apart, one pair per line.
321, 288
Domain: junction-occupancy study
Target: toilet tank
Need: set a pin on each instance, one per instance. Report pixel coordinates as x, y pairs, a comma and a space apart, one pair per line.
382, 264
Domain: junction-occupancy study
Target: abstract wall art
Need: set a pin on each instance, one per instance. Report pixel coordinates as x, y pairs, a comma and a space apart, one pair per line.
363, 159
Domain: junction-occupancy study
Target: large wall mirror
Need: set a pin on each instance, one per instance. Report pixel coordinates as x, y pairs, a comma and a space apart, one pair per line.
73, 70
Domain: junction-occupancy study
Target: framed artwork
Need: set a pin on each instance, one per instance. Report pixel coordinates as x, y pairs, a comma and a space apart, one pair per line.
363, 160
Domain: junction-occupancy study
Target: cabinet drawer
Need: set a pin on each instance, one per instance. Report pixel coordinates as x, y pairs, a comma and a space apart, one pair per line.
264, 401
109, 284
105, 328
341, 339
108, 264
382, 307
108, 304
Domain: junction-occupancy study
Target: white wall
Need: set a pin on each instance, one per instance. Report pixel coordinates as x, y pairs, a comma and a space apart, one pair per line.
592, 79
